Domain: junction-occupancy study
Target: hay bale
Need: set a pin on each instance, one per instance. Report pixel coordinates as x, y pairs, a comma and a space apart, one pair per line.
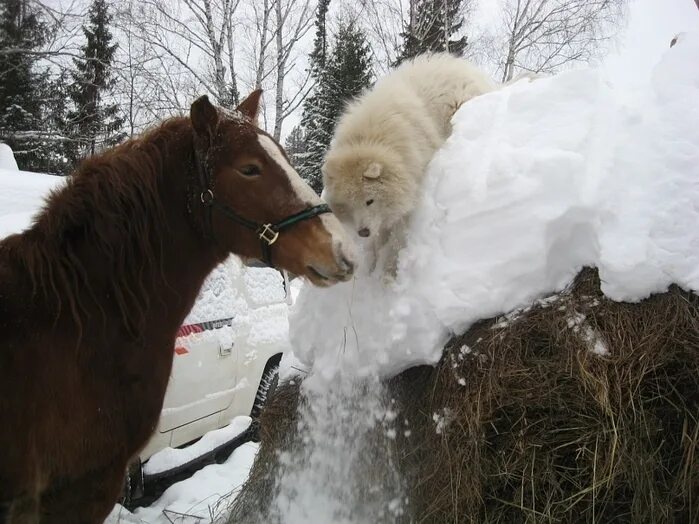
523, 421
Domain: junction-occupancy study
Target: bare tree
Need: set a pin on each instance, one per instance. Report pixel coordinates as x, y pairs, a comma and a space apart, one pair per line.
192, 36
545, 35
383, 21
293, 19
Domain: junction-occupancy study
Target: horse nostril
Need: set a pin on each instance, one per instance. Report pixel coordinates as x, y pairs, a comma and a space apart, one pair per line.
364, 232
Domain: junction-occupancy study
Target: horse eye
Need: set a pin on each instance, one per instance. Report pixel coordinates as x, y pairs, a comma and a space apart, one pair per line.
250, 170
370, 201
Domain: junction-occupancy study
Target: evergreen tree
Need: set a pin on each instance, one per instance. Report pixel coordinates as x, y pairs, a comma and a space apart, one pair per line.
346, 74
295, 145
21, 32
312, 105
94, 123
433, 23
320, 43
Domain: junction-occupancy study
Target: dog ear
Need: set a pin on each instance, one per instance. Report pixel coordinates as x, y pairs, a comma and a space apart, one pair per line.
373, 171
204, 118
250, 107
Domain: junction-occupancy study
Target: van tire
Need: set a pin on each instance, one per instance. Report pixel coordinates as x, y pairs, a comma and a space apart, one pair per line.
268, 384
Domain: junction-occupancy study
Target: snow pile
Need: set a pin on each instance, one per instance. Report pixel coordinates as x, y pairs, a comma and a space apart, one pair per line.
22, 195
537, 180
7, 158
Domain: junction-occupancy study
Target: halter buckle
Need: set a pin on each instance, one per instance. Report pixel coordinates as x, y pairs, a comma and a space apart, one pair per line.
207, 197
268, 234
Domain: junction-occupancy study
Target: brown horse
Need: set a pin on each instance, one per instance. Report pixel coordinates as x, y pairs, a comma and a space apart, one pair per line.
92, 295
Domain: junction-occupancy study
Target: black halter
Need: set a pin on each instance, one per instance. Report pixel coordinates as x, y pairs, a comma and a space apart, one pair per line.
267, 233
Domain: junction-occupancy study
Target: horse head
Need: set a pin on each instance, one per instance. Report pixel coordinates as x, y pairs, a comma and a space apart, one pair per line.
254, 204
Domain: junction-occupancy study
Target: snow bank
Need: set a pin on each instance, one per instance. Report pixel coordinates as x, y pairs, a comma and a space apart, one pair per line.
7, 158
537, 180
22, 195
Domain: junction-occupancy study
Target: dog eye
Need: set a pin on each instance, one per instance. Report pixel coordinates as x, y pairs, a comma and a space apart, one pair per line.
250, 170
370, 201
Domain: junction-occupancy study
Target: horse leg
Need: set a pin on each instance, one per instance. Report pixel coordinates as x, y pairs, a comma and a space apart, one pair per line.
85, 500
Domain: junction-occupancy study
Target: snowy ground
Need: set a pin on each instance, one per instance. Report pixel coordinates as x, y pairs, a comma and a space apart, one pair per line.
206, 495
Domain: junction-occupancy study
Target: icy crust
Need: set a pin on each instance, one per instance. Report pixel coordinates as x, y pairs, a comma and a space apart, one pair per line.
537, 180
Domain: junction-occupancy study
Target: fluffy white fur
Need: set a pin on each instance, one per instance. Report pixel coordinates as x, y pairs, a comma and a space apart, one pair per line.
385, 139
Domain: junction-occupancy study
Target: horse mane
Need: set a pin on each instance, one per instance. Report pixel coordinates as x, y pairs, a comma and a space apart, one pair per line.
110, 210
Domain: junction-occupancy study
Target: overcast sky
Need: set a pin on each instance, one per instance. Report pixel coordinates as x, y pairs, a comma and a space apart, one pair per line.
652, 25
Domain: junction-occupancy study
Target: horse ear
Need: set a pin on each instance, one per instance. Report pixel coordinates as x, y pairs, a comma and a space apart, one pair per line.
204, 118
373, 171
251, 105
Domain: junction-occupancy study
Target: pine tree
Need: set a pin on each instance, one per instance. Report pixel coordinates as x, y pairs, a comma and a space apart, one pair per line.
94, 123
312, 109
431, 28
295, 145
346, 74
21, 32
320, 43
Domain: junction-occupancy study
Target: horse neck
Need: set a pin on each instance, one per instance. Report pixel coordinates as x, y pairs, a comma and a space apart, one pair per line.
141, 267
187, 256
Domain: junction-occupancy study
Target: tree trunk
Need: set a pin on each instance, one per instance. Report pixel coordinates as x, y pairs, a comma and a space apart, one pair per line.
281, 66
216, 48
263, 45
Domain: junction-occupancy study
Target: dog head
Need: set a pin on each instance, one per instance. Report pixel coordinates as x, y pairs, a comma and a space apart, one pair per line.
368, 188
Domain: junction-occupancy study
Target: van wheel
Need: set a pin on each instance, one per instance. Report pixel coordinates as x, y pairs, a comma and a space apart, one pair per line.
132, 490
268, 384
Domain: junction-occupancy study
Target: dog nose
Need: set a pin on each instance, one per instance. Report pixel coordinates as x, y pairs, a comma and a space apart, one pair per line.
364, 232
347, 265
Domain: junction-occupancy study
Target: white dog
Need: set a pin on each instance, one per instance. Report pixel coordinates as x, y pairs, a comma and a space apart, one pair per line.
384, 140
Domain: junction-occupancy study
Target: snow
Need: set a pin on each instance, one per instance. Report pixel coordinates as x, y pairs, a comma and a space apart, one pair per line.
537, 180
264, 286
170, 458
22, 194
204, 497
7, 158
